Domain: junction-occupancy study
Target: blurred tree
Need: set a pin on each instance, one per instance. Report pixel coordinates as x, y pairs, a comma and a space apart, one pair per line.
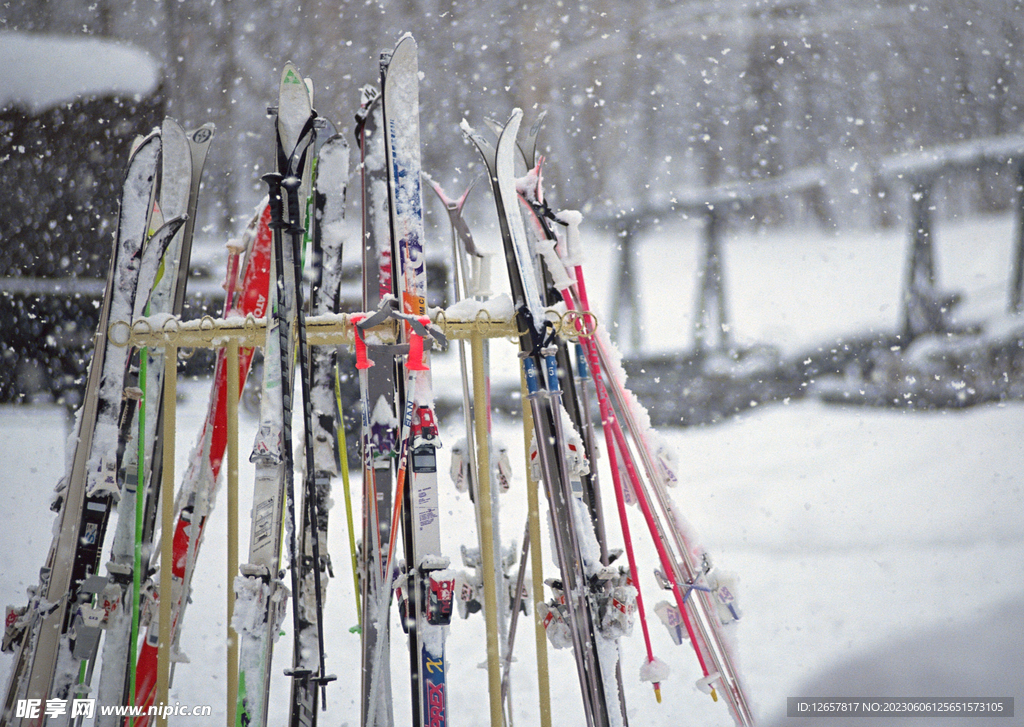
700, 92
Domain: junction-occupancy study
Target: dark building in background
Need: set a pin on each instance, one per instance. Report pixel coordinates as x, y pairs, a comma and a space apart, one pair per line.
69, 110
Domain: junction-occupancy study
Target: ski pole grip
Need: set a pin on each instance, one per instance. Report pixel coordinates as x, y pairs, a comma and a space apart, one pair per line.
291, 185
581, 363
551, 372
530, 374
556, 267
362, 359
273, 180
572, 221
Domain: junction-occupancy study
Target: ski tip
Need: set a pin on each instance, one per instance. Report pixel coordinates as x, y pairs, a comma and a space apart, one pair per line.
447, 201
483, 145
461, 201
538, 123
170, 126
512, 125
328, 131
201, 137
507, 137
139, 142
405, 38
406, 46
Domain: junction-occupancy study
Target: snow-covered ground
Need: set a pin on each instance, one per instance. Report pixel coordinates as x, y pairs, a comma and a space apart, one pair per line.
879, 553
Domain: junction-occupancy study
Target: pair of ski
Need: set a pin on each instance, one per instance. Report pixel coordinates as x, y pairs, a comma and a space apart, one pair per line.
312, 176
183, 159
704, 602
399, 455
575, 540
699, 596
58, 634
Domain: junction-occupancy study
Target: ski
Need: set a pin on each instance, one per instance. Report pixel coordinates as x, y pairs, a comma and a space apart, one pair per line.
198, 141
379, 431
260, 592
117, 617
427, 583
170, 297
321, 418
49, 652
139, 468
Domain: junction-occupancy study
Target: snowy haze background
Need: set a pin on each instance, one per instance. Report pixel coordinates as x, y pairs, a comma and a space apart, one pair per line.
704, 91
878, 553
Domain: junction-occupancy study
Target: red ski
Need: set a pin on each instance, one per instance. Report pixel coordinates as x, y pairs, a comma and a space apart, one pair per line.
198, 490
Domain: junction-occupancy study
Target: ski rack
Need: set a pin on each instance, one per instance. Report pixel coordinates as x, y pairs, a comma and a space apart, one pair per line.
234, 333
332, 329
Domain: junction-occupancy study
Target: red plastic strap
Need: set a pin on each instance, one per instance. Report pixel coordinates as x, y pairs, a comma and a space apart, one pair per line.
415, 361
362, 360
